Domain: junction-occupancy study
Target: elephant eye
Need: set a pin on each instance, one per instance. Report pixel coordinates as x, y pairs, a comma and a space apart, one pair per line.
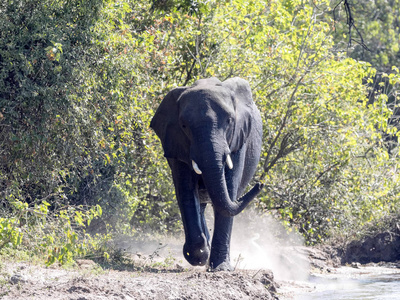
229, 120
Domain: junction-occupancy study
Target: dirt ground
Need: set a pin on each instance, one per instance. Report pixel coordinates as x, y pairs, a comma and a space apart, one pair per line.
88, 281
159, 272
153, 271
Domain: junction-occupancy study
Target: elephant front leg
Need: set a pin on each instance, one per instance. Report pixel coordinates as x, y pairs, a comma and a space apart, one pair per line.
220, 246
196, 249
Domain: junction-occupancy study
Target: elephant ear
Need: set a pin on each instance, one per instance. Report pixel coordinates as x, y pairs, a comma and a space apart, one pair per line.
244, 107
166, 125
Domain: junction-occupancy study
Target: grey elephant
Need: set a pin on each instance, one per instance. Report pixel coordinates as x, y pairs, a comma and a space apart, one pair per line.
211, 133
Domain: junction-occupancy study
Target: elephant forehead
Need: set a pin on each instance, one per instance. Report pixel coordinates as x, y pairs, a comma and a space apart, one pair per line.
206, 100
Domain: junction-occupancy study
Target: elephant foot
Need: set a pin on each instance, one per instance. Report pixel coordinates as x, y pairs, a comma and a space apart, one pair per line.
223, 266
221, 262
196, 254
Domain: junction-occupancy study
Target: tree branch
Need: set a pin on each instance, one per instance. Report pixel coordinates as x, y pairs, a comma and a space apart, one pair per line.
350, 24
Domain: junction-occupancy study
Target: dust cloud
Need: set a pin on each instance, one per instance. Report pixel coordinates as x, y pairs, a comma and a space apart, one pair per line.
261, 242
258, 242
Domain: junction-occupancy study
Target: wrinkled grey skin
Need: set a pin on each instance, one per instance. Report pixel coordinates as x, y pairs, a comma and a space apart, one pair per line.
206, 123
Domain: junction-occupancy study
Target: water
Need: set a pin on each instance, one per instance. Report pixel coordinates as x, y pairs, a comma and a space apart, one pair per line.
366, 283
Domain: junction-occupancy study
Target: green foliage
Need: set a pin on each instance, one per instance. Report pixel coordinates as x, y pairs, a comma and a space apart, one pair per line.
58, 236
73, 119
9, 233
67, 239
41, 136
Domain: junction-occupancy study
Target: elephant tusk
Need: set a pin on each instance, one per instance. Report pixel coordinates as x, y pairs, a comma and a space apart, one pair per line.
229, 162
196, 168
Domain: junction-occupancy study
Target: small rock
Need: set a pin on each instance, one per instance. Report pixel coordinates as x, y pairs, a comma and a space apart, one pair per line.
355, 265
17, 278
267, 279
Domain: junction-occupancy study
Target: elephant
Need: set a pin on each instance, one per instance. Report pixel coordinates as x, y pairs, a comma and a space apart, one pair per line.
211, 134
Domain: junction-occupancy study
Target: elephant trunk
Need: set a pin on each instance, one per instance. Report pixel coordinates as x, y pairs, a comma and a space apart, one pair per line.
214, 179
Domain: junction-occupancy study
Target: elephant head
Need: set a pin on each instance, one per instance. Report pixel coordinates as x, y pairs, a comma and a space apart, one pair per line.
203, 126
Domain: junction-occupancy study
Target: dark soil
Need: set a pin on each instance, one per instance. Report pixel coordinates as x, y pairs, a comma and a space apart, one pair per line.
375, 248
